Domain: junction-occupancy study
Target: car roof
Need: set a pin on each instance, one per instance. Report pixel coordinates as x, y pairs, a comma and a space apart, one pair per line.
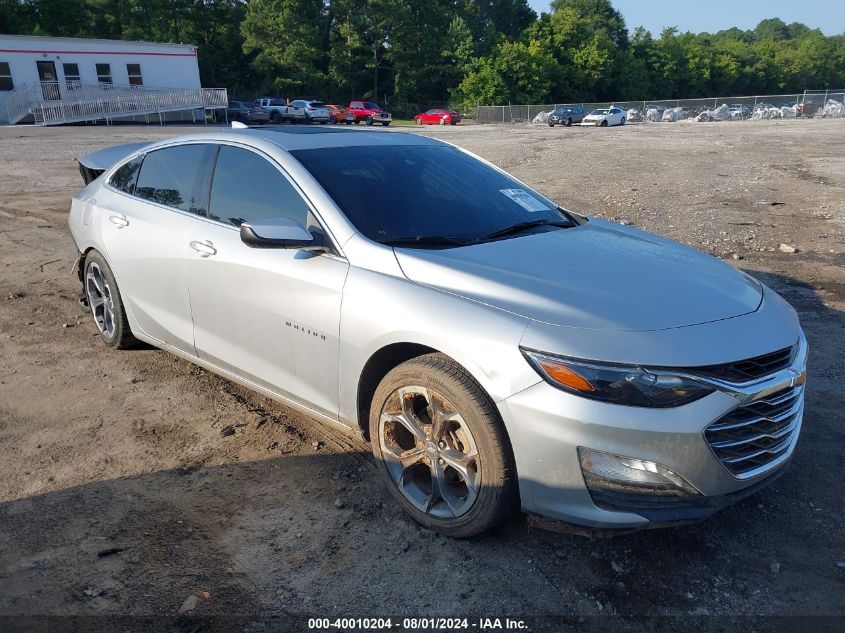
292, 138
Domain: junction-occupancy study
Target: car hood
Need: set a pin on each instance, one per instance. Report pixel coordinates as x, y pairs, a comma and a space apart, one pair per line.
596, 116
599, 276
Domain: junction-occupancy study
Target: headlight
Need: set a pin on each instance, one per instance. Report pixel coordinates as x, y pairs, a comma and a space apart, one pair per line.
627, 385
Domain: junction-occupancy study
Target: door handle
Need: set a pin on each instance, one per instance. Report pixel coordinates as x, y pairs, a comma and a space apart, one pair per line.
204, 248
119, 221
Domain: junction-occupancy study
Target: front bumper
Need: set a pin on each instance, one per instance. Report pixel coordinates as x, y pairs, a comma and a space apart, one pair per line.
547, 426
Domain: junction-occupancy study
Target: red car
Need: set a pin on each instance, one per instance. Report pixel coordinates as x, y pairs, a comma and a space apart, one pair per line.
438, 116
369, 113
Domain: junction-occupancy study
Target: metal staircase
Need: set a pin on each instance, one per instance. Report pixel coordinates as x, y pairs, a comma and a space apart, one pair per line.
50, 103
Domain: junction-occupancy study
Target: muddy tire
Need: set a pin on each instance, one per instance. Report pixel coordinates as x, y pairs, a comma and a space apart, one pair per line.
442, 448
105, 303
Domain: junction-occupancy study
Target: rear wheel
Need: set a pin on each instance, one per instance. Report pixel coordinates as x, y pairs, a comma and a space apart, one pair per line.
551, 123
105, 303
333, 119
568, 122
623, 121
442, 447
275, 117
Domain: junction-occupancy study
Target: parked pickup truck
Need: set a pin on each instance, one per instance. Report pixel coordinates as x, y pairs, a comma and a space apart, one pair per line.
276, 106
369, 113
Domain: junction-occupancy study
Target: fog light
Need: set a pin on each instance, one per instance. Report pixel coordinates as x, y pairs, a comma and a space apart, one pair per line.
604, 470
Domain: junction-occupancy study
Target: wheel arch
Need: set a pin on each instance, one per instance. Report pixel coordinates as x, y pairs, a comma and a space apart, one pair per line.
381, 362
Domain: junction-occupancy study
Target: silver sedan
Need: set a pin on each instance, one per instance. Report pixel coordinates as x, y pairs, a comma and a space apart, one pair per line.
497, 350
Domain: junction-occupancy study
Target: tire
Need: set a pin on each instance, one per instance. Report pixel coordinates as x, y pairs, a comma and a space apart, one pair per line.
368, 120
418, 121
623, 121
568, 122
453, 123
550, 123
105, 303
473, 436
385, 123
333, 120
442, 121
275, 117
348, 122
604, 123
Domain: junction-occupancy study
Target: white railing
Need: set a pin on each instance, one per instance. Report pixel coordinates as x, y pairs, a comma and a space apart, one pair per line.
52, 103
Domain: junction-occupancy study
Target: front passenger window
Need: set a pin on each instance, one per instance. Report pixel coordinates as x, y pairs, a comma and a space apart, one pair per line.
248, 188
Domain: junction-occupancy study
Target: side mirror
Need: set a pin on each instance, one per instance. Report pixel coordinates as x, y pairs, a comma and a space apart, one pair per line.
277, 233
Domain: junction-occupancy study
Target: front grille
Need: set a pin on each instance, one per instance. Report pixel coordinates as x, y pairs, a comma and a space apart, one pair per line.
758, 433
750, 368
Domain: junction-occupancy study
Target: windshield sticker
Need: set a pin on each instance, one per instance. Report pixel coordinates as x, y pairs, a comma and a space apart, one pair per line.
525, 200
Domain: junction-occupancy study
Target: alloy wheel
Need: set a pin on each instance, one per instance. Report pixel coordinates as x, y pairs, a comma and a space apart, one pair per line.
100, 300
429, 451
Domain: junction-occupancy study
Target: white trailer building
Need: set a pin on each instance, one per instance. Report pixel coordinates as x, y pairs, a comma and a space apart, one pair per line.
61, 79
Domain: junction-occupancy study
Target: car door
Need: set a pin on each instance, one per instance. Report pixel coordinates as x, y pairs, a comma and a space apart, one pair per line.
151, 207
269, 315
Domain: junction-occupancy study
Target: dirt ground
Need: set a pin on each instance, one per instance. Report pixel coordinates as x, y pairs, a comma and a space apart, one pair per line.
121, 494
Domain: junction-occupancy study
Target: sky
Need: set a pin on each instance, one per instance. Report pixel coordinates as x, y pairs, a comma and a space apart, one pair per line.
715, 15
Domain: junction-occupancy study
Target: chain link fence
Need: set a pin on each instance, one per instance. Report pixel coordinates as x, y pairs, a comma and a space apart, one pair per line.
815, 100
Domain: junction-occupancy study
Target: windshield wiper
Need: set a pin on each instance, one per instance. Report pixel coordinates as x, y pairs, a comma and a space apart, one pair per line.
522, 226
424, 240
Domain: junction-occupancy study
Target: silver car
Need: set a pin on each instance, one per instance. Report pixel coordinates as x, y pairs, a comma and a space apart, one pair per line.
497, 350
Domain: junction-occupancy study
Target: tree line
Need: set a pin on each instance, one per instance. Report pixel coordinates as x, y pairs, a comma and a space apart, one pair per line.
466, 52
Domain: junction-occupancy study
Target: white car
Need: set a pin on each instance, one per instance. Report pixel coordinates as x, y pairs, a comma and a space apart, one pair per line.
604, 117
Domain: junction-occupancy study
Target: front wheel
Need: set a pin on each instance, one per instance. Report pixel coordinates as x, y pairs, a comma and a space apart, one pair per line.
442, 447
105, 303
604, 123
568, 123
368, 120
333, 119
551, 123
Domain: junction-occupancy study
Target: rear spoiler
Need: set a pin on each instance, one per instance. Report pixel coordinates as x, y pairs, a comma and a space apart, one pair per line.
93, 164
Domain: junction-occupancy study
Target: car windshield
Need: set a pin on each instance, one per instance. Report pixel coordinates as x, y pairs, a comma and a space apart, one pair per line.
600, 112
369, 105
317, 104
398, 193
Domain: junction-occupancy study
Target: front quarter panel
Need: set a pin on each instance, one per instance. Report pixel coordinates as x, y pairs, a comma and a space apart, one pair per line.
381, 309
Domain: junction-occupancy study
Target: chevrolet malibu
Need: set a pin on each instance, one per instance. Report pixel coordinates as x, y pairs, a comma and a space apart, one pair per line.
497, 350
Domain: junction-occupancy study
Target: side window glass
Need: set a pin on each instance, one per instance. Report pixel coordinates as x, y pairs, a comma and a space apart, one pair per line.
171, 177
269, 195
125, 176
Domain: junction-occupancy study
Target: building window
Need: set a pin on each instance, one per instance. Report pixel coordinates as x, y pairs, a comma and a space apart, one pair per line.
104, 73
134, 71
6, 82
71, 75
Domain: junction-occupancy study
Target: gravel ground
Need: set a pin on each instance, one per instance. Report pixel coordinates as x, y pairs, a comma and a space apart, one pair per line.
123, 490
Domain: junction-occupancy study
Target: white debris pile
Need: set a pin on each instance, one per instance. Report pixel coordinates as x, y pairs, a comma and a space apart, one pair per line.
834, 109
722, 113
766, 112
788, 112
652, 114
673, 114
543, 117
634, 116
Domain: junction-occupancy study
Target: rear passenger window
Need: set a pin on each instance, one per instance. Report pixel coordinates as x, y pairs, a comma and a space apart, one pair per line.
248, 188
124, 178
170, 177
